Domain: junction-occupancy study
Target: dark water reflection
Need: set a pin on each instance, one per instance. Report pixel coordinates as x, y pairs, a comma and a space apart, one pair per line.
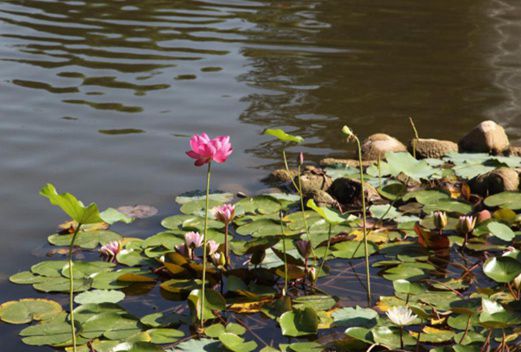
80, 79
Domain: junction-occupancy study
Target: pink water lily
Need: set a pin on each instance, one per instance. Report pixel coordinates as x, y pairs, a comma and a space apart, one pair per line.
110, 250
193, 240
224, 213
212, 247
205, 150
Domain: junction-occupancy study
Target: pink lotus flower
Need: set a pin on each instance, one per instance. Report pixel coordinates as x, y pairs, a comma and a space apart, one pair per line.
193, 240
213, 247
205, 150
224, 213
110, 250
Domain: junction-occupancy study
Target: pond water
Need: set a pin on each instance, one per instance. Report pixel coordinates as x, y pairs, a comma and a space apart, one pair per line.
98, 96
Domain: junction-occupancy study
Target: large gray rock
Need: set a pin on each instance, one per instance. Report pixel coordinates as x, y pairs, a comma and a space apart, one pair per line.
500, 180
514, 151
348, 191
332, 162
380, 143
322, 198
487, 137
312, 181
280, 176
432, 148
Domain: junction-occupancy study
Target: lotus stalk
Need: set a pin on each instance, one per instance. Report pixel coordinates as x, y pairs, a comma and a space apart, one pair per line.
351, 136
285, 290
204, 151
416, 137
71, 287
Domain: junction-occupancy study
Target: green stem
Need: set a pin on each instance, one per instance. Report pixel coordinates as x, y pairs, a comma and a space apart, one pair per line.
401, 337
226, 251
416, 137
205, 233
327, 251
298, 188
71, 288
364, 221
285, 292
379, 171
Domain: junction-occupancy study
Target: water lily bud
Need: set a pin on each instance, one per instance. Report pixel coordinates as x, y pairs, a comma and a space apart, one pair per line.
347, 131
466, 224
440, 220
517, 282
301, 158
483, 216
312, 274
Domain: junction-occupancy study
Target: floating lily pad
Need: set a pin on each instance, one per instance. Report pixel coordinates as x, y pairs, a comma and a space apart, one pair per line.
235, 343
99, 296
355, 317
509, 200
299, 322
29, 309
502, 269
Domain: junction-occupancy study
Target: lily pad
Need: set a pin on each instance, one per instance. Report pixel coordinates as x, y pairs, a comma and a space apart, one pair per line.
29, 309
502, 269
509, 200
299, 322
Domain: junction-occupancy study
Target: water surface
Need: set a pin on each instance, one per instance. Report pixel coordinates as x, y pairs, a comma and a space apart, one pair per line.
98, 96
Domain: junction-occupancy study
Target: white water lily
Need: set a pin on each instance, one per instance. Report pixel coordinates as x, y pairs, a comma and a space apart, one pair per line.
401, 315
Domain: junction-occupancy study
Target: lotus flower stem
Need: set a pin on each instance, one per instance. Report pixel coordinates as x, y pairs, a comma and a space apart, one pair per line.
205, 238
401, 337
416, 137
327, 251
298, 187
285, 291
379, 171
467, 327
71, 288
364, 220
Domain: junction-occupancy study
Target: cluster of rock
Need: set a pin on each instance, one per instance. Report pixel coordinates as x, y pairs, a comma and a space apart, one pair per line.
486, 137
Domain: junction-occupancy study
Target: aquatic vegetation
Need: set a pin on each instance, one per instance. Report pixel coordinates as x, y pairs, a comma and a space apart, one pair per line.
204, 151
351, 136
268, 273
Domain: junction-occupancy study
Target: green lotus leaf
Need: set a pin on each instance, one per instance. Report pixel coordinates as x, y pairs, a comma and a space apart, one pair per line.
99, 296
405, 163
29, 309
162, 336
305, 347
327, 214
317, 302
283, 136
85, 239
393, 191
407, 287
201, 345
216, 330
198, 207
163, 320
258, 205
113, 326
53, 332
500, 231
215, 197
390, 337
352, 249
502, 269
214, 301
72, 206
355, 317
508, 200
112, 216
235, 343
299, 322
